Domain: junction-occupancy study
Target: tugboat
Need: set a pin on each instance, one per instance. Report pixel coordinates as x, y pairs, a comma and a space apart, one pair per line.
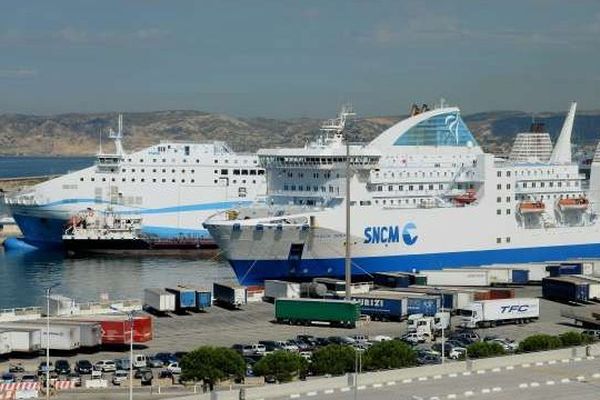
106, 232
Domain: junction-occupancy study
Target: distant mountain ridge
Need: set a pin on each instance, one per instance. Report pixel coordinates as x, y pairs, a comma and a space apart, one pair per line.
78, 134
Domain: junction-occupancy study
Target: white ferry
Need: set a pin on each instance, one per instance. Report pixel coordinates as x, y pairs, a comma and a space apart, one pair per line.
172, 186
423, 195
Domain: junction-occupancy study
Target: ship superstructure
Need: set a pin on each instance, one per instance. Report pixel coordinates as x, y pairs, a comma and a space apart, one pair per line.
423, 195
172, 186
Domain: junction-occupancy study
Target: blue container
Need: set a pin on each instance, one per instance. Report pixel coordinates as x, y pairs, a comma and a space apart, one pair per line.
571, 268
520, 276
381, 308
448, 301
393, 279
184, 298
565, 289
203, 299
554, 270
426, 305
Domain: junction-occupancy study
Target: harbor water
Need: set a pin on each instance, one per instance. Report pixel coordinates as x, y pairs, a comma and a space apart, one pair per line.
25, 275
26, 166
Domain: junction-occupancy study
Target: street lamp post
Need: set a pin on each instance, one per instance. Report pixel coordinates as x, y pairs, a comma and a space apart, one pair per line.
48, 290
130, 315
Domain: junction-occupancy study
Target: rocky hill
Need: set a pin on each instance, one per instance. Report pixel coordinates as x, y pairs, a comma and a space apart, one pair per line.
78, 134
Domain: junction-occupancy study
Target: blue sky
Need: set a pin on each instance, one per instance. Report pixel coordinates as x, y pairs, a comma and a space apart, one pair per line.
286, 58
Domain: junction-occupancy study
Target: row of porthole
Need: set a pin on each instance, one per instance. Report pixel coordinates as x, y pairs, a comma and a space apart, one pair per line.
163, 180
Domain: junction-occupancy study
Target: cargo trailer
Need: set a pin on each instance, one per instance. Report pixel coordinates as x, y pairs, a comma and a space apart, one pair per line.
203, 300
159, 300
457, 277
185, 297
90, 333
487, 313
426, 305
338, 287
384, 307
393, 279
306, 311
229, 295
565, 288
116, 328
275, 289
62, 337
5, 347
25, 340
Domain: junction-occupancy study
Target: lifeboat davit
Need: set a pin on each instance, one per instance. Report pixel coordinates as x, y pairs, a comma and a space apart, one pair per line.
577, 203
528, 207
465, 198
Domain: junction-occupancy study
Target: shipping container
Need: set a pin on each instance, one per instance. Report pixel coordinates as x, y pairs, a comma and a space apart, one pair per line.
255, 293
594, 285
393, 279
457, 277
486, 313
203, 299
338, 287
275, 289
382, 306
520, 276
306, 311
230, 295
498, 294
426, 305
185, 297
159, 300
536, 271
565, 289
25, 340
116, 328
61, 305
62, 337
90, 333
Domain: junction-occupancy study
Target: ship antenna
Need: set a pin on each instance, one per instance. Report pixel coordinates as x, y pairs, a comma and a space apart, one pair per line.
100, 135
117, 136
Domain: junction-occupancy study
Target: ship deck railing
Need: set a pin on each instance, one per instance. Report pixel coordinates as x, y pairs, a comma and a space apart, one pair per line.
22, 313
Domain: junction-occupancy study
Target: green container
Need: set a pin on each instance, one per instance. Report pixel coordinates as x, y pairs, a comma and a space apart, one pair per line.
421, 280
305, 311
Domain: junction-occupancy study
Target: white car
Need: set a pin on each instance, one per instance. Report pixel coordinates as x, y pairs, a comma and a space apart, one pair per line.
507, 345
414, 338
288, 346
307, 355
174, 368
380, 338
106, 366
119, 377
456, 353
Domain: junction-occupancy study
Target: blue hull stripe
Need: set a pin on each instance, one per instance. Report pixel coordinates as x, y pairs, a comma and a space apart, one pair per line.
252, 272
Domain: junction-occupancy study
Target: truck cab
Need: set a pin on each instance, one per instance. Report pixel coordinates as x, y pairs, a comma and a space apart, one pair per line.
471, 315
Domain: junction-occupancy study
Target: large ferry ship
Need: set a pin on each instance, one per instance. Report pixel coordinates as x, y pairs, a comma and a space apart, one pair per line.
423, 195
172, 186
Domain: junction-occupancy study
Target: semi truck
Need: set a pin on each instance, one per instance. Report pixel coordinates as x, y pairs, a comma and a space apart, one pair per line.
306, 311
488, 313
429, 326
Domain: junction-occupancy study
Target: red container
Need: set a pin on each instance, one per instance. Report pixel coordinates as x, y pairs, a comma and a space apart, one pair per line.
482, 295
115, 328
496, 294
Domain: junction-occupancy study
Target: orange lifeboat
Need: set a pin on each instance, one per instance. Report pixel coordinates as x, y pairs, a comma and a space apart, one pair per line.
528, 207
578, 203
465, 198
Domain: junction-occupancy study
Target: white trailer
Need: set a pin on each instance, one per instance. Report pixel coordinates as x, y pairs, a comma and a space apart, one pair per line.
25, 340
90, 333
275, 289
486, 313
159, 300
62, 337
456, 277
5, 342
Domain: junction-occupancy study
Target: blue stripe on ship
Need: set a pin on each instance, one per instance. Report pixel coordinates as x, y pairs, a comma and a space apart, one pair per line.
253, 272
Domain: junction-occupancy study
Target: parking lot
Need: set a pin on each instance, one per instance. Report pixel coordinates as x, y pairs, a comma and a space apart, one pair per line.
223, 327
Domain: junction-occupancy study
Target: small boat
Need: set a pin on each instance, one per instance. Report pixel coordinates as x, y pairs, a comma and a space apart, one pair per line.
577, 203
465, 198
528, 207
106, 232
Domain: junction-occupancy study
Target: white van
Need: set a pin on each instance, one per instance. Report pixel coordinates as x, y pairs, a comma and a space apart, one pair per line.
140, 361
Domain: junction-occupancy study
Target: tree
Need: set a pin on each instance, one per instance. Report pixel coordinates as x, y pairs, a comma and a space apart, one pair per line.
283, 365
333, 359
212, 364
390, 354
539, 342
485, 349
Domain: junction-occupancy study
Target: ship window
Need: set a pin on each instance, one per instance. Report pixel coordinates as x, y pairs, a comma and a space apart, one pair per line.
123, 180
542, 184
430, 187
172, 180
507, 240
261, 171
498, 240
508, 186
154, 160
499, 186
379, 188
253, 172
197, 161
186, 150
164, 180
183, 171
236, 171
244, 181
173, 171
193, 180
94, 179
498, 212
153, 179
410, 187
390, 188
81, 179
499, 174
420, 187
103, 179
508, 211
551, 184
441, 186
532, 184
132, 169
112, 179
143, 180
524, 184
244, 172
285, 187
141, 160
294, 187
132, 179
508, 199
123, 170
498, 199
164, 160
559, 184
164, 170
216, 161
183, 181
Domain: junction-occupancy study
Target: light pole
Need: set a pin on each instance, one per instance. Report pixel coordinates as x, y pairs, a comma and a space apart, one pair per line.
442, 317
48, 289
130, 315
357, 370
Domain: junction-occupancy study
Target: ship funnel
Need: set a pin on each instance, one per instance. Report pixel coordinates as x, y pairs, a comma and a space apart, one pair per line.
562, 149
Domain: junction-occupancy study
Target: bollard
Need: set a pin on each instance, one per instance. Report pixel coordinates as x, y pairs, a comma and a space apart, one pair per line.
242, 394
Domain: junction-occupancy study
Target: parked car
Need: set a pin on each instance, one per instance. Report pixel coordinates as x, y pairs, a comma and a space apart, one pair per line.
119, 377
16, 368
8, 378
508, 345
139, 373
258, 349
413, 338
428, 359
29, 378
595, 333
96, 374
83, 367
154, 362
321, 341
343, 340
122, 363
75, 378
106, 366
307, 355
246, 350
270, 345
379, 338
174, 368
310, 340
62, 367
166, 357
299, 344
469, 335
42, 368
457, 353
